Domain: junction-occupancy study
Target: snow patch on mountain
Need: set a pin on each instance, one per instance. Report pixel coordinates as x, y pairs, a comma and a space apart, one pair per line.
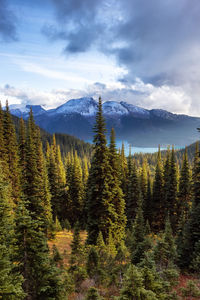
114, 108
84, 106
134, 109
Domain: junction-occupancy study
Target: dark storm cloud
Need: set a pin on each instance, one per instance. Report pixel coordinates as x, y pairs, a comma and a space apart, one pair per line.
160, 38
78, 22
7, 23
157, 41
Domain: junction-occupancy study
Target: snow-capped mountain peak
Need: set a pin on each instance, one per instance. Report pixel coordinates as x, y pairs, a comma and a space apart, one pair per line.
85, 106
23, 110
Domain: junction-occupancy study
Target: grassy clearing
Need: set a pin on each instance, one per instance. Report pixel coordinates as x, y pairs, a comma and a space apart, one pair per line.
63, 241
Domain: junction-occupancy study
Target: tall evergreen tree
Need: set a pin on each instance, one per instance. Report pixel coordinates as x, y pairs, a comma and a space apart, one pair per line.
43, 179
147, 204
10, 280
139, 244
165, 249
32, 189
11, 154
22, 152
2, 142
123, 170
173, 192
157, 200
76, 191
188, 247
57, 182
42, 279
100, 210
143, 181
185, 188
132, 194
117, 201
167, 167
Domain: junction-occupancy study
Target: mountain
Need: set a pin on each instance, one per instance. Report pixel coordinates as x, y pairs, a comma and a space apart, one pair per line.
138, 126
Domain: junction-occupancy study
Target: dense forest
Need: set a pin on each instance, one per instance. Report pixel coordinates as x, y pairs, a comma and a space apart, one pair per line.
135, 221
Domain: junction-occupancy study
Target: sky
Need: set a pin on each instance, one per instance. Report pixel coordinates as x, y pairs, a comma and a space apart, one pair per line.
146, 53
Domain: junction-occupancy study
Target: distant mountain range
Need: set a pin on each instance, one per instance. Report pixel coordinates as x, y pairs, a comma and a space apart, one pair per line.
138, 126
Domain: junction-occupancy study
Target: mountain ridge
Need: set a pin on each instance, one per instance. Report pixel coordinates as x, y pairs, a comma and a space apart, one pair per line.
88, 106
136, 125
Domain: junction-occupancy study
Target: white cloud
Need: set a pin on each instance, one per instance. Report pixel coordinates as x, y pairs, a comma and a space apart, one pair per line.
173, 99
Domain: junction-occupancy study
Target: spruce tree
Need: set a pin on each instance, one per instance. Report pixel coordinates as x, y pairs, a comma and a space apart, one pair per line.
147, 204
57, 182
143, 182
185, 188
76, 192
11, 154
10, 279
158, 196
165, 249
76, 247
117, 201
93, 294
33, 191
42, 279
99, 208
124, 171
132, 194
22, 152
139, 243
188, 247
173, 192
3, 158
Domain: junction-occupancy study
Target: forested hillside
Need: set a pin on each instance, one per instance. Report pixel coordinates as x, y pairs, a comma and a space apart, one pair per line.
136, 228
66, 142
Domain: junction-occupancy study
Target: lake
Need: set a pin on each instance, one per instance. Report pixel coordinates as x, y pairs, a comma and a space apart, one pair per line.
141, 149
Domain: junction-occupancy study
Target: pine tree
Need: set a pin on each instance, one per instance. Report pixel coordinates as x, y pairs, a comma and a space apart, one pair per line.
85, 170
123, 170
34, 194
22, 152
143, 181
100, 210
117, 201
147, 204
11, 154
76, 192
43, 179
92, 265
132, 194
3, 158
188, 245
185, 189
167, 167
42, 279
139, 242
10, 279
157, 199
133, 286
173, 192
76, 247
165, 250
57, 180
93, 294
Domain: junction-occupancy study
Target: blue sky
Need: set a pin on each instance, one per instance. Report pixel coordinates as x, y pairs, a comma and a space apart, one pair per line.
143, 52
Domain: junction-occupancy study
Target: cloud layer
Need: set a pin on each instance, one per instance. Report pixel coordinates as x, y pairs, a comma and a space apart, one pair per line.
140, 94
7, 23
156, 41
